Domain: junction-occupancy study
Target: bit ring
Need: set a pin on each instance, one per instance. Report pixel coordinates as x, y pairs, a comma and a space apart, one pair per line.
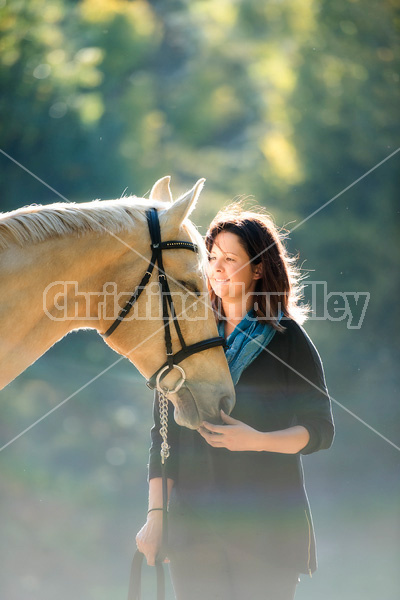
178, 385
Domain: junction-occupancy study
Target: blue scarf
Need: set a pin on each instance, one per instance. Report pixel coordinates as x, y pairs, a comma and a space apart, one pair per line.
246, 342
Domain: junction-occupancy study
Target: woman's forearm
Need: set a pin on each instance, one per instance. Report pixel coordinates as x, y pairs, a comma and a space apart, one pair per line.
155, 492
237, 436
285, 441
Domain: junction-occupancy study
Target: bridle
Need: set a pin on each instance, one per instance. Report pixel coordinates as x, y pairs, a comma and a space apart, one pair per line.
173, 360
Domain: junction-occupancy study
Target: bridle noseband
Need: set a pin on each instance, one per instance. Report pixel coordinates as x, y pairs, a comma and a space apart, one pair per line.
157, 246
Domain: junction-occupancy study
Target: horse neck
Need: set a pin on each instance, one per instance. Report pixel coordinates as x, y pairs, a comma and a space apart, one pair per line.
29, 318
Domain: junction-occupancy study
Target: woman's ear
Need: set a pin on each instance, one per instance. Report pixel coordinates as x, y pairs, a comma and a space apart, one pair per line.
257, 271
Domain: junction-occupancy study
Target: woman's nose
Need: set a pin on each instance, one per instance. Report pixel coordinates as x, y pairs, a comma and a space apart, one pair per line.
218, 265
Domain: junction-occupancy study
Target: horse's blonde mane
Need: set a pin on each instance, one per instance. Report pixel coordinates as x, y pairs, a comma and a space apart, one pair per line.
38, 223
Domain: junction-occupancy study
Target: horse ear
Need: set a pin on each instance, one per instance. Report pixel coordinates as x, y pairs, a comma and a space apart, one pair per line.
186, 203
161, 190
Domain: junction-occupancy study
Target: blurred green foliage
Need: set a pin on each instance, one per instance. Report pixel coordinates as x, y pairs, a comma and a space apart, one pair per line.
288, 101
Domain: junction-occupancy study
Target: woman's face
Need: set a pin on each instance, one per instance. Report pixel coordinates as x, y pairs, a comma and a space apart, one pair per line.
230, 273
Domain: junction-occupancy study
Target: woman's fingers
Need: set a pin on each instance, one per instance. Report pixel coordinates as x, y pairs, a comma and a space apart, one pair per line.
149, 553
151, 560
228, 419
148, 540
214, 439
213, 428
209, 434
205, 431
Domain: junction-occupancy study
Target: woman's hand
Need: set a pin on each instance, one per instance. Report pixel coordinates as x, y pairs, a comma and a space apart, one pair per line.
149, 538
235, 435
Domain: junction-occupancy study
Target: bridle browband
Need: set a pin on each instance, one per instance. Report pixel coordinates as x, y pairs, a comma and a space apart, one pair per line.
157, 246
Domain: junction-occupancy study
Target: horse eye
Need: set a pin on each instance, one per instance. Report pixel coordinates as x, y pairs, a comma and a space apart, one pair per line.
190, 287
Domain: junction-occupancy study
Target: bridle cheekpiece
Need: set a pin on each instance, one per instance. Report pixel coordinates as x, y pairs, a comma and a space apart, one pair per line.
173, 360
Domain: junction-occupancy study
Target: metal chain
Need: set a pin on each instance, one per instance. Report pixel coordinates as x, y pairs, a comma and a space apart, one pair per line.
163, 404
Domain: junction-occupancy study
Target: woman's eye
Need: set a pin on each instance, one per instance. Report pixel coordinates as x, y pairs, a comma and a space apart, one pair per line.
230, 259
210, 258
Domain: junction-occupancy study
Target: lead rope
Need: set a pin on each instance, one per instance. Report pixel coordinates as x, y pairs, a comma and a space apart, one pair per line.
164, 452
135, 580
163, 406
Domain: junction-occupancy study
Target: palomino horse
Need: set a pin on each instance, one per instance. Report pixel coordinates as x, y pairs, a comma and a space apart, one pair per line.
68, 266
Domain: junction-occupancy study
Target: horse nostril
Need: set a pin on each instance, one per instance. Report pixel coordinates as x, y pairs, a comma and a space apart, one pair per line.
224, 404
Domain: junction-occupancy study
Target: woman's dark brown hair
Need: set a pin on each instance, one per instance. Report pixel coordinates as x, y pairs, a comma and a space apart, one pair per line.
279, 286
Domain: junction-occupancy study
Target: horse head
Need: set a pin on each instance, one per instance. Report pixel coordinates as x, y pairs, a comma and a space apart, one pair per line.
207, 386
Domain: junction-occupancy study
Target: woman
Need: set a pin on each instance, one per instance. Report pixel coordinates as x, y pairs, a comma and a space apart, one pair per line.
239, 520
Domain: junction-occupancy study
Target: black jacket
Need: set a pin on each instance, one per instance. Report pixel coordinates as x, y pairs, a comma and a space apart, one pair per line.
254, 497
